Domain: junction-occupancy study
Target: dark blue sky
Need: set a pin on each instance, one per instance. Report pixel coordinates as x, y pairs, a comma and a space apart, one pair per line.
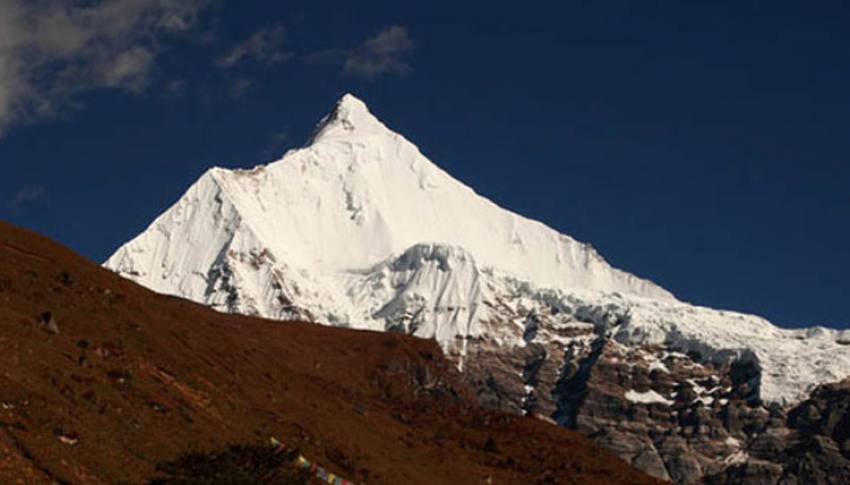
704, 146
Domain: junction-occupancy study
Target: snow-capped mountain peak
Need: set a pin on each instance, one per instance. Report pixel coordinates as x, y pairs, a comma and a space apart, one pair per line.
350, 117
359, 228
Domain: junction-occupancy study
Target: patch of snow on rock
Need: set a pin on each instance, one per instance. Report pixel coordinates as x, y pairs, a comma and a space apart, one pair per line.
647, 397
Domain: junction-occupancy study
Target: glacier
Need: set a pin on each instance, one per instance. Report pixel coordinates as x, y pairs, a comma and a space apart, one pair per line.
358, 228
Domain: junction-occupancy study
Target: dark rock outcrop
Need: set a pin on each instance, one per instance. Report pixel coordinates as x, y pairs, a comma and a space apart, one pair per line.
674, 415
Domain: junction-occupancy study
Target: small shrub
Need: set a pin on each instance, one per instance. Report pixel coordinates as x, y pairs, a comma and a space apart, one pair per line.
490, 445
65, 278
239, 464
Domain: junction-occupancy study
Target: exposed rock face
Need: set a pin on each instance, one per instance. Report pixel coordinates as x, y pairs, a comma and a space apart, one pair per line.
812, 444
674, 415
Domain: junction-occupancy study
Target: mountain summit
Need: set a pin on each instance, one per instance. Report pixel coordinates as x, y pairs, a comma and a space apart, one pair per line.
302, 235
351, 116
359, 229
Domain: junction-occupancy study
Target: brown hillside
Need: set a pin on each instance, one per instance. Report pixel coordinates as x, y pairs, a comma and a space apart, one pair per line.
134, 379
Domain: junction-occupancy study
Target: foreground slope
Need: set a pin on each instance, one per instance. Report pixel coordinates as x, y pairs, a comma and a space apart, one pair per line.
118, 379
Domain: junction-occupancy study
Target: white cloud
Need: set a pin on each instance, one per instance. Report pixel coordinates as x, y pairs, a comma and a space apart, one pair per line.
264, 46
51, 50
26, 196
385, 53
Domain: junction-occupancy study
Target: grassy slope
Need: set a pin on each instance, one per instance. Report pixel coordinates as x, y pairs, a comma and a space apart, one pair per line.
140, 378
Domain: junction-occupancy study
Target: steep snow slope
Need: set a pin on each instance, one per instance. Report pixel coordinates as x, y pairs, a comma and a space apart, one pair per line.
360, 229
356, 197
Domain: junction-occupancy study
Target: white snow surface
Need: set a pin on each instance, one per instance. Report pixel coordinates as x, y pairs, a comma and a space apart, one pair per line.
360, 229
647, 397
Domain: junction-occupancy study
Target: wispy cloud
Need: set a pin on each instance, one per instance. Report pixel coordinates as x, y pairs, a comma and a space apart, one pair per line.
26, 196
240, 87
53, 50
265, 47
386, 52
175, 88
277, 142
